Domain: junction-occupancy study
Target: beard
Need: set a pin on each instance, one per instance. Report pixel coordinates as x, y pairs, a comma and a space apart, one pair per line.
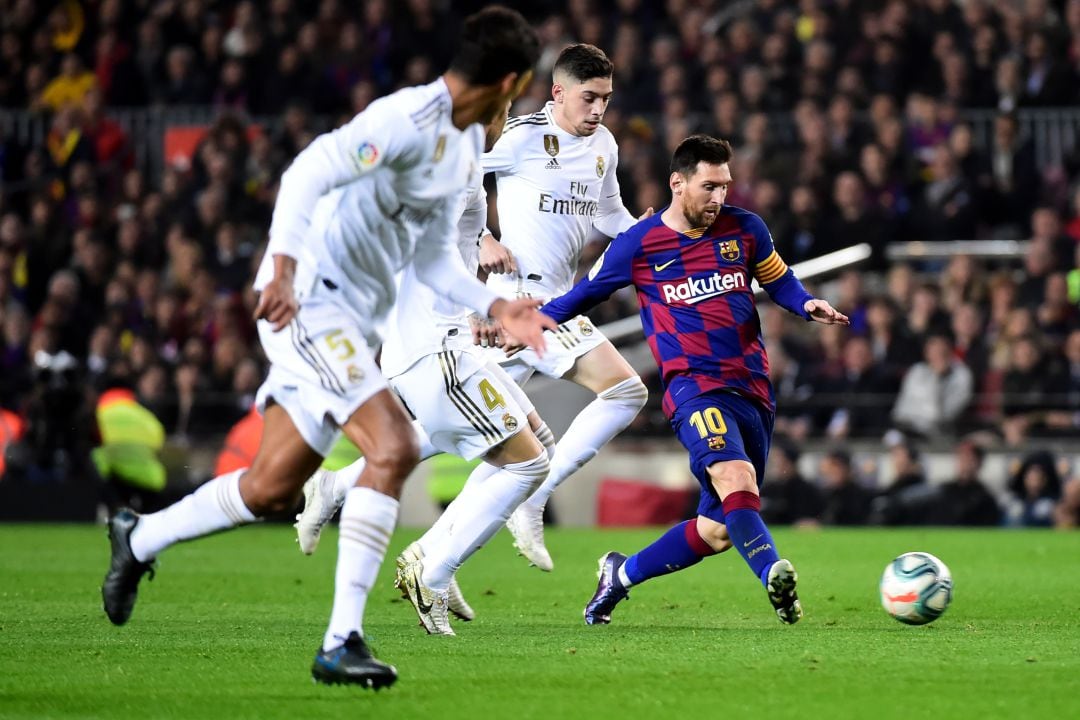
700, 218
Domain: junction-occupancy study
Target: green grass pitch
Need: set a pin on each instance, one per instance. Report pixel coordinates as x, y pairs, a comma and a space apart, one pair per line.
229, 627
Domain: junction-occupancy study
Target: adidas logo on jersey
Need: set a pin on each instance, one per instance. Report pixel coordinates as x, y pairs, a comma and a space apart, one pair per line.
553, 164
694, 290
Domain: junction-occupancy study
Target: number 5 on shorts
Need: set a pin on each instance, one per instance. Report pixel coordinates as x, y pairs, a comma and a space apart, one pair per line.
708, 422
343, 345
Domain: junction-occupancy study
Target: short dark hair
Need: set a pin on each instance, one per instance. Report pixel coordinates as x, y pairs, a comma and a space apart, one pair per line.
495, 42
700, 148
583, 62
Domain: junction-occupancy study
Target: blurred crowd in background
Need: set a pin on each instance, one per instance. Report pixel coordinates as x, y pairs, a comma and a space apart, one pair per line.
849, 123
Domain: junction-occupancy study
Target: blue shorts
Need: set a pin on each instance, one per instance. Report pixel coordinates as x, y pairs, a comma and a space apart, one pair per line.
720, 426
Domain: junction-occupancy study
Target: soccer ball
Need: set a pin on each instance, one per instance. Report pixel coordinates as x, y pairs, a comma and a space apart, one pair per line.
916, 588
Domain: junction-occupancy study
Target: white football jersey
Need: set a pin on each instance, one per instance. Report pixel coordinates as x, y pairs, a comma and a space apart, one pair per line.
554, 187
423, 323
361, 203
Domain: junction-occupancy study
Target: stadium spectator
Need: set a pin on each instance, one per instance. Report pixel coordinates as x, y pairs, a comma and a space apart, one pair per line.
908, 498
846, 501
788, 498
964, 500
1035, 488
857, 394
936, 392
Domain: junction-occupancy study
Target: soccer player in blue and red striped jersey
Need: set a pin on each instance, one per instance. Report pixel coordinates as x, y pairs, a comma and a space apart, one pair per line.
692, 265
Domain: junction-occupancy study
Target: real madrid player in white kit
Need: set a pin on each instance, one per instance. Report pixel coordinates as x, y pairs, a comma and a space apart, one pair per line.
556, 177
555, 171
357, 206
465, 404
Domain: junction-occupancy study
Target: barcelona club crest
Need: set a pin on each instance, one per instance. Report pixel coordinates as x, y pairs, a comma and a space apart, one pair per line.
551, 144
729, 250
599, 166
717, 443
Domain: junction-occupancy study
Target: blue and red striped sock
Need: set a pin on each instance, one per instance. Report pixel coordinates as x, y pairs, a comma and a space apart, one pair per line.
742, 515
677, 549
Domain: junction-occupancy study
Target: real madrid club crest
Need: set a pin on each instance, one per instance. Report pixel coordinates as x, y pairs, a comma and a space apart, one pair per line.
729, 250
599, 166
551, 144
585, 328
510, 422
440, 148
355, 374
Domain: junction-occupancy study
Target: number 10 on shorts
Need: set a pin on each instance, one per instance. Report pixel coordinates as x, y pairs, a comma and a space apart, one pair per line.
709, 422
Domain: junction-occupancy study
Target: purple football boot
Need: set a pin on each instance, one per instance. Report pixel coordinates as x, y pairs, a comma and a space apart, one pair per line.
609, 591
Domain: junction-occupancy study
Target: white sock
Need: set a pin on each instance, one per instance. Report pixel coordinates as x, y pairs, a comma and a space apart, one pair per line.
484, 508
600, 421
345, 479
213, 507
546, 437
436, 535
367, 522
623, 577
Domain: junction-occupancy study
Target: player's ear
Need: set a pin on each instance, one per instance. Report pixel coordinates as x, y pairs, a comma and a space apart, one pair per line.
558, 92
676, 182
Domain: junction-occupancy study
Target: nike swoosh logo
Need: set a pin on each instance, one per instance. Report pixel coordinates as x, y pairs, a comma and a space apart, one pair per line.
661, 268
748, 544
420, 605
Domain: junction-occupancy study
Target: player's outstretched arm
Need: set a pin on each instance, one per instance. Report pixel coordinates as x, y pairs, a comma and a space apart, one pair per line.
821, 311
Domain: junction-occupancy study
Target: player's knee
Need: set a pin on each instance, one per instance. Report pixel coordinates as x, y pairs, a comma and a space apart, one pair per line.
395, 458
630, 392
733, 476
263, 496
531, 473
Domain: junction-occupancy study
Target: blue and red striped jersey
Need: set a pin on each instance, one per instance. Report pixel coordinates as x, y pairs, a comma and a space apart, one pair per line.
697, 308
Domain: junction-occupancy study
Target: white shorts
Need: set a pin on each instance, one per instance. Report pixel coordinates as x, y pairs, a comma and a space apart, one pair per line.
465, 403
565, 345
321, 369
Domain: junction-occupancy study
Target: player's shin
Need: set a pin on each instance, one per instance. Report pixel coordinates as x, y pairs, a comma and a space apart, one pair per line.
484, 507
213, 507
749, 535
438, 532
677, 549
367, 522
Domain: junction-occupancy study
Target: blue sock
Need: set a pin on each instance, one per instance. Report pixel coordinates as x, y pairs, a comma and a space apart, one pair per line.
677, 549
748, 532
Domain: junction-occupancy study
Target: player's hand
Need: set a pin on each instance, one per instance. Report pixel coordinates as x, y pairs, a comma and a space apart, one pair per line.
521, 320
495, 258
511, 345
277, 303
647, 214
485, 333
821, 311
